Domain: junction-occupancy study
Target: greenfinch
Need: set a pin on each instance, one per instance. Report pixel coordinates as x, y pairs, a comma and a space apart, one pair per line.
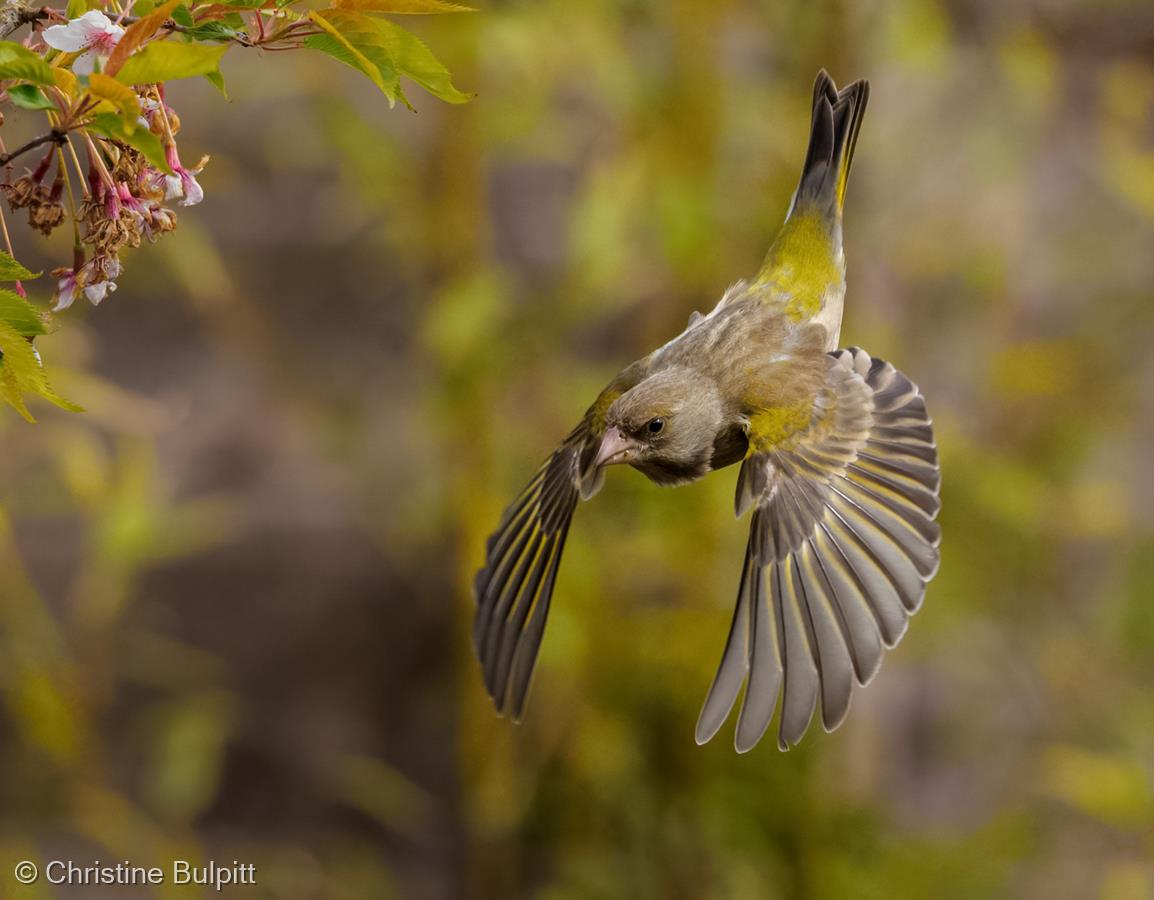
838, 465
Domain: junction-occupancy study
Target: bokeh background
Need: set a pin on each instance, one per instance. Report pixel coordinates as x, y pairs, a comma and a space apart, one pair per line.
234, 595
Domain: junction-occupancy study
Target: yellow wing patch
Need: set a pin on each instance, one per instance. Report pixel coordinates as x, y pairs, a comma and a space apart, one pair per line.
773, 428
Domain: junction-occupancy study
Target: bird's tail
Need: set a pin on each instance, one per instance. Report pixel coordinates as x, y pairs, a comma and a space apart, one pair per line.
837, 117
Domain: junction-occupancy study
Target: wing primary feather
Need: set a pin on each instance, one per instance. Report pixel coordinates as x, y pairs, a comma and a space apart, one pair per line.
734, 663
875, 584
506, 533
861, 620
843, 650
926, 453
926, 500
764, 667
801, 683
917, 512
890, 556
909, 516
528, 493
499, 569
922, 473
525, 658
510, 590
514, 622
513, 589
829, 643
556, 492
900, 477
909, 543
921, 433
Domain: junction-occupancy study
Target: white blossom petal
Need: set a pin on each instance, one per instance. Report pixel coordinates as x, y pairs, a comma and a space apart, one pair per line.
173, 187
85, 63
66, 38
193, 192
97, 292
95, 20
65, 293
80, 33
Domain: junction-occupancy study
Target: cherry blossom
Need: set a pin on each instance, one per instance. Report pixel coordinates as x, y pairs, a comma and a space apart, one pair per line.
92, 35
182, 183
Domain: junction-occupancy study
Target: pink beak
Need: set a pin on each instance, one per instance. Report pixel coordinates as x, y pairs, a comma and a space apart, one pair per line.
615, 448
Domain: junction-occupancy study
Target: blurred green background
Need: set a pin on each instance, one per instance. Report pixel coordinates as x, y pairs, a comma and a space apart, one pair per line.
234, 595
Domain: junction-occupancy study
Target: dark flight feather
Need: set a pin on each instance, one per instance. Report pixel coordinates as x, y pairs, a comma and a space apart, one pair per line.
515, 587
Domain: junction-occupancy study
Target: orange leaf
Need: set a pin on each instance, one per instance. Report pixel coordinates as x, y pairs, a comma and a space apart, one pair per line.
137, 33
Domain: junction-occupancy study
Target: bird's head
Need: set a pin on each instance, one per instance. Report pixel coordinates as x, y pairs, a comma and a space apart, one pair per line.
665, 426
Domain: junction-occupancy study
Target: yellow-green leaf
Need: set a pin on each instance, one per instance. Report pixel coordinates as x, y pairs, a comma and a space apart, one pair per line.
113, 126
10, 270
137, 33
65, 81
167, 60
402, 7
416, 61
21, 373
120, 95
391, 50
17, 61
339, 47
20, 315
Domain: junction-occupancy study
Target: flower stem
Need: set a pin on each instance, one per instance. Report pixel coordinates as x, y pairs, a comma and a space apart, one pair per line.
71, 197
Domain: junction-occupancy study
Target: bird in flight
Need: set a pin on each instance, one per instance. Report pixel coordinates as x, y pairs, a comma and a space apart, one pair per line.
838, 465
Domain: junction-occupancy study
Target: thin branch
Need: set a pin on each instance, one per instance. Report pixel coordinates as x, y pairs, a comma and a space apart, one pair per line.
168, 25
16, 13
239, 38
55, 136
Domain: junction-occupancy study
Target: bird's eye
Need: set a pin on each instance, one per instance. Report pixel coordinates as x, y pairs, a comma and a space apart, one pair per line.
655, 425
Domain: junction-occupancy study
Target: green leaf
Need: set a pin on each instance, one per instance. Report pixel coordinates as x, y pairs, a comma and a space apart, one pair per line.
168, 60
217, 81
222, 27
29, 96
213, 31
17, 61
22, 373
402, 7
76, 8
113, 126
20, 315
339, 47
10, 270
391, 50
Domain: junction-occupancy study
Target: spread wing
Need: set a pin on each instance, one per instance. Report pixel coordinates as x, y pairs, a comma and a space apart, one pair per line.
842, 544
514, 588
522, 557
